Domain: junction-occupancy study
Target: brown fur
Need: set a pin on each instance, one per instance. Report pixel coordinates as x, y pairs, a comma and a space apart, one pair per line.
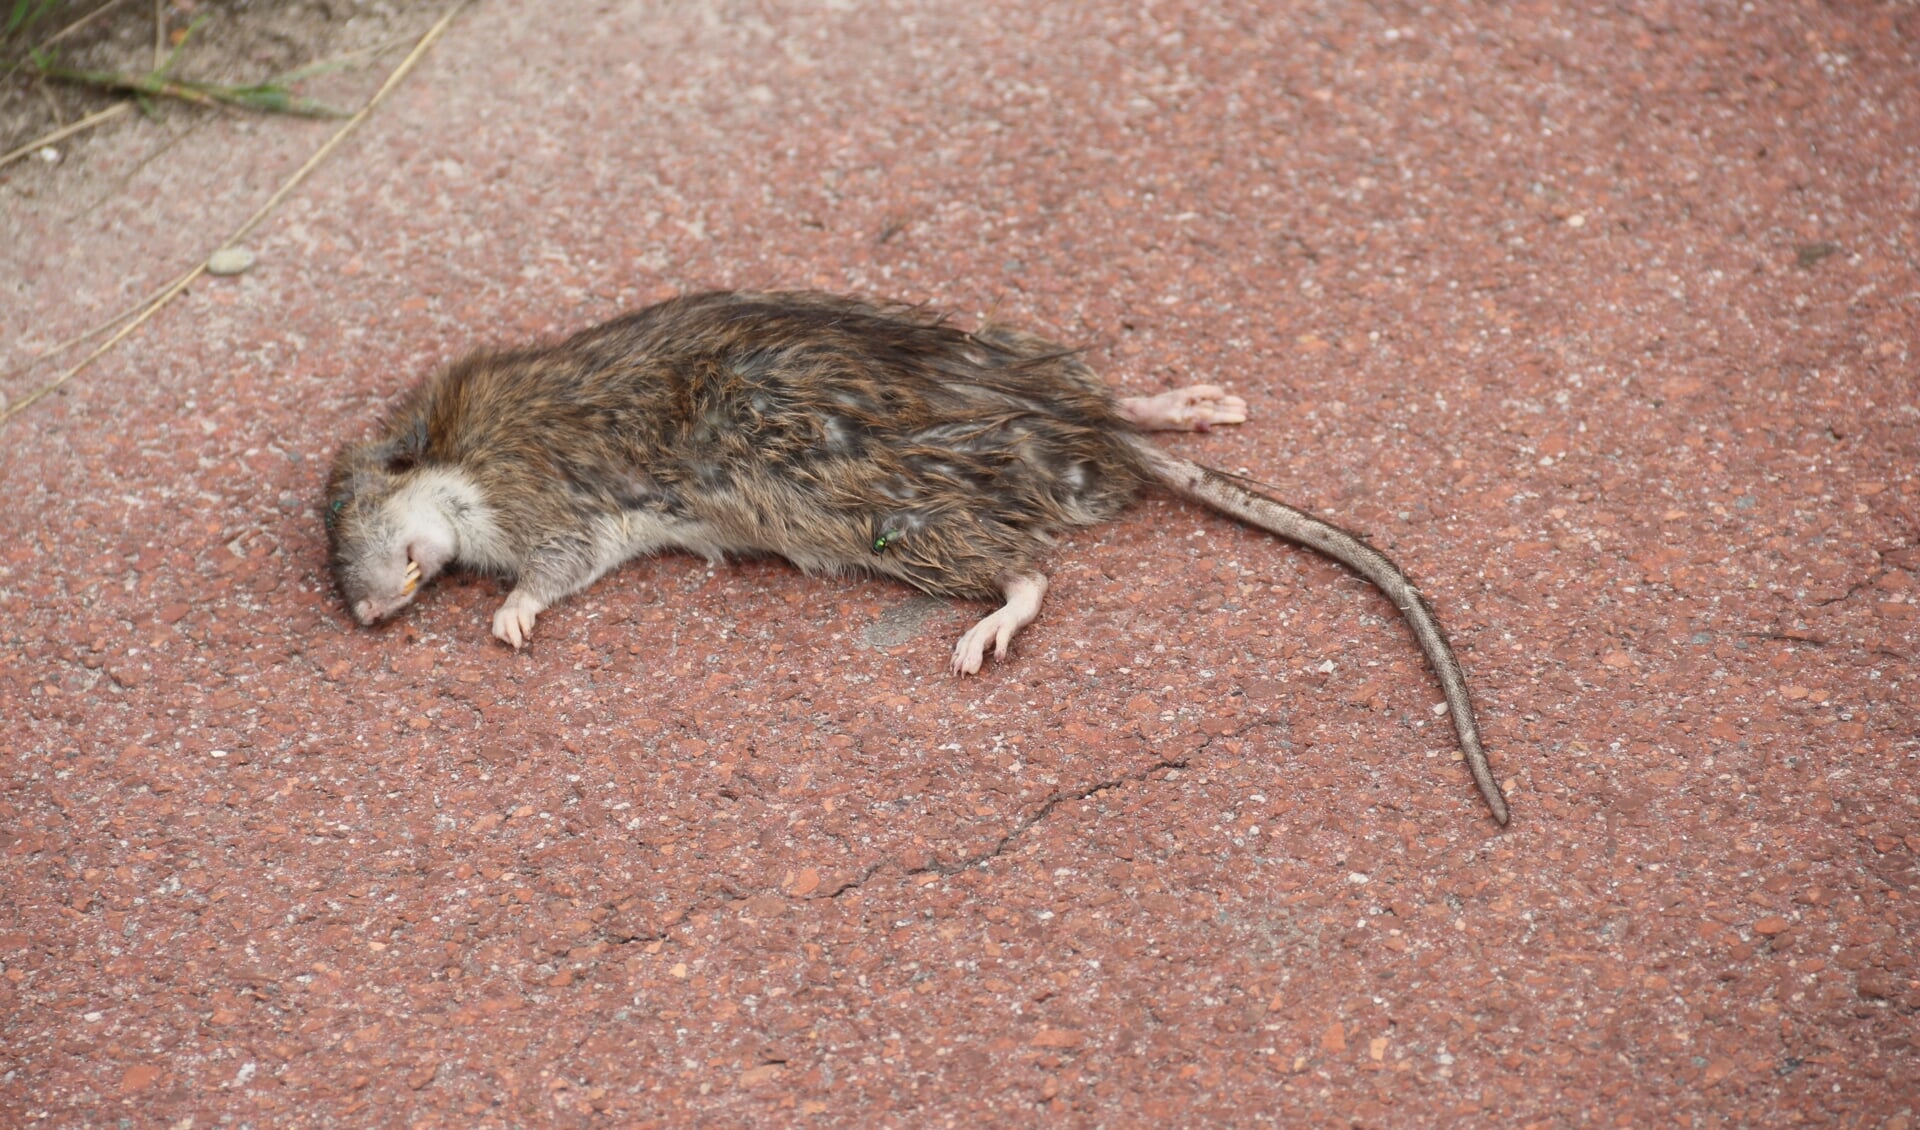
794, 424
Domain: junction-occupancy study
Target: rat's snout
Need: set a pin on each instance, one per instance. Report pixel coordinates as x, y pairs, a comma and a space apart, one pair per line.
389, 595
371, 611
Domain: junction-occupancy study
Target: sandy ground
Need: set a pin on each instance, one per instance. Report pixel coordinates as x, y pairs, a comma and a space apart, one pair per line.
1601, 321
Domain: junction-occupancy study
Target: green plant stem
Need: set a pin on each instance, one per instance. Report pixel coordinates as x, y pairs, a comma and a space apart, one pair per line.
267, 97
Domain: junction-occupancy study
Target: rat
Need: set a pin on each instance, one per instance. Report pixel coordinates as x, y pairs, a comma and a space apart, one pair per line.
840, 433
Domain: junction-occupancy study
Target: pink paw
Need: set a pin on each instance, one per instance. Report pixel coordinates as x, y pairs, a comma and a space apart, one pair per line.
971, 650
1192, 409
513, 623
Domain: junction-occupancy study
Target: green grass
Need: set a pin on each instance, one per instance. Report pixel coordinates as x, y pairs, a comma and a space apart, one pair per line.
22, 15
270, 95
25, 13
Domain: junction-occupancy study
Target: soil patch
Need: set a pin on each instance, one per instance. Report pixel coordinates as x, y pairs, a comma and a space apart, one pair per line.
329, 49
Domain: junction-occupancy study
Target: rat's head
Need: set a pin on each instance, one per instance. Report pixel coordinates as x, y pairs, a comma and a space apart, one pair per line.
390, 525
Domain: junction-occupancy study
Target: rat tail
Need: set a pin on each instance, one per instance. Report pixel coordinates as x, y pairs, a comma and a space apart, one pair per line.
1238, 499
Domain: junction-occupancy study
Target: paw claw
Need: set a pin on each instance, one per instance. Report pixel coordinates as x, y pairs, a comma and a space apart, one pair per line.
969, 653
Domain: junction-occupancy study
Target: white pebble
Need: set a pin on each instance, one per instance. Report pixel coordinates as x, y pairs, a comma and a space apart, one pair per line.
229, 261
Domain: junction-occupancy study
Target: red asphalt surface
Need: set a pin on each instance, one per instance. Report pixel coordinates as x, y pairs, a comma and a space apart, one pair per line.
1601, 320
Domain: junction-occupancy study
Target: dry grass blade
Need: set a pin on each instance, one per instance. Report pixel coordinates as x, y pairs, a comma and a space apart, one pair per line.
63, 133
76, 25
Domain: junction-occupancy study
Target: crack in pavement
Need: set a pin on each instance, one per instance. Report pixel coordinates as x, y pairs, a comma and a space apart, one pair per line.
1020, 828
976, 859
1786, 637
1845, 596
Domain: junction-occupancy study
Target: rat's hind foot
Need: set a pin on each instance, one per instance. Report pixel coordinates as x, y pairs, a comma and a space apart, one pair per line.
513, 623
1023, 604
1192, 409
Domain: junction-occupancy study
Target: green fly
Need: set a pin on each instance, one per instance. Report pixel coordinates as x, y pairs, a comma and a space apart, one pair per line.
886, 539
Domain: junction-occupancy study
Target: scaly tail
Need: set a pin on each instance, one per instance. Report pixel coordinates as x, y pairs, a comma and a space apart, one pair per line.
1235, 499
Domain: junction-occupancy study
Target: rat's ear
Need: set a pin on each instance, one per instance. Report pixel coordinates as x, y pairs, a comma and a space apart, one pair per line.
405, 452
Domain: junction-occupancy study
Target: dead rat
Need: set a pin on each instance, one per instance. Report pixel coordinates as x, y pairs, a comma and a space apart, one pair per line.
838, 433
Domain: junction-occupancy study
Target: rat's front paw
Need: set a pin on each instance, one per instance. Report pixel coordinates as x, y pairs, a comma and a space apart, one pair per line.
513, 623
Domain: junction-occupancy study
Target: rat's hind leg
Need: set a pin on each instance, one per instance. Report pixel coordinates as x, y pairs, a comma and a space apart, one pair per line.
1192, 409
1023, 593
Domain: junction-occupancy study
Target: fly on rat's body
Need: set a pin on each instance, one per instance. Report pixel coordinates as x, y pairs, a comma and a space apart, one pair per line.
838, 433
